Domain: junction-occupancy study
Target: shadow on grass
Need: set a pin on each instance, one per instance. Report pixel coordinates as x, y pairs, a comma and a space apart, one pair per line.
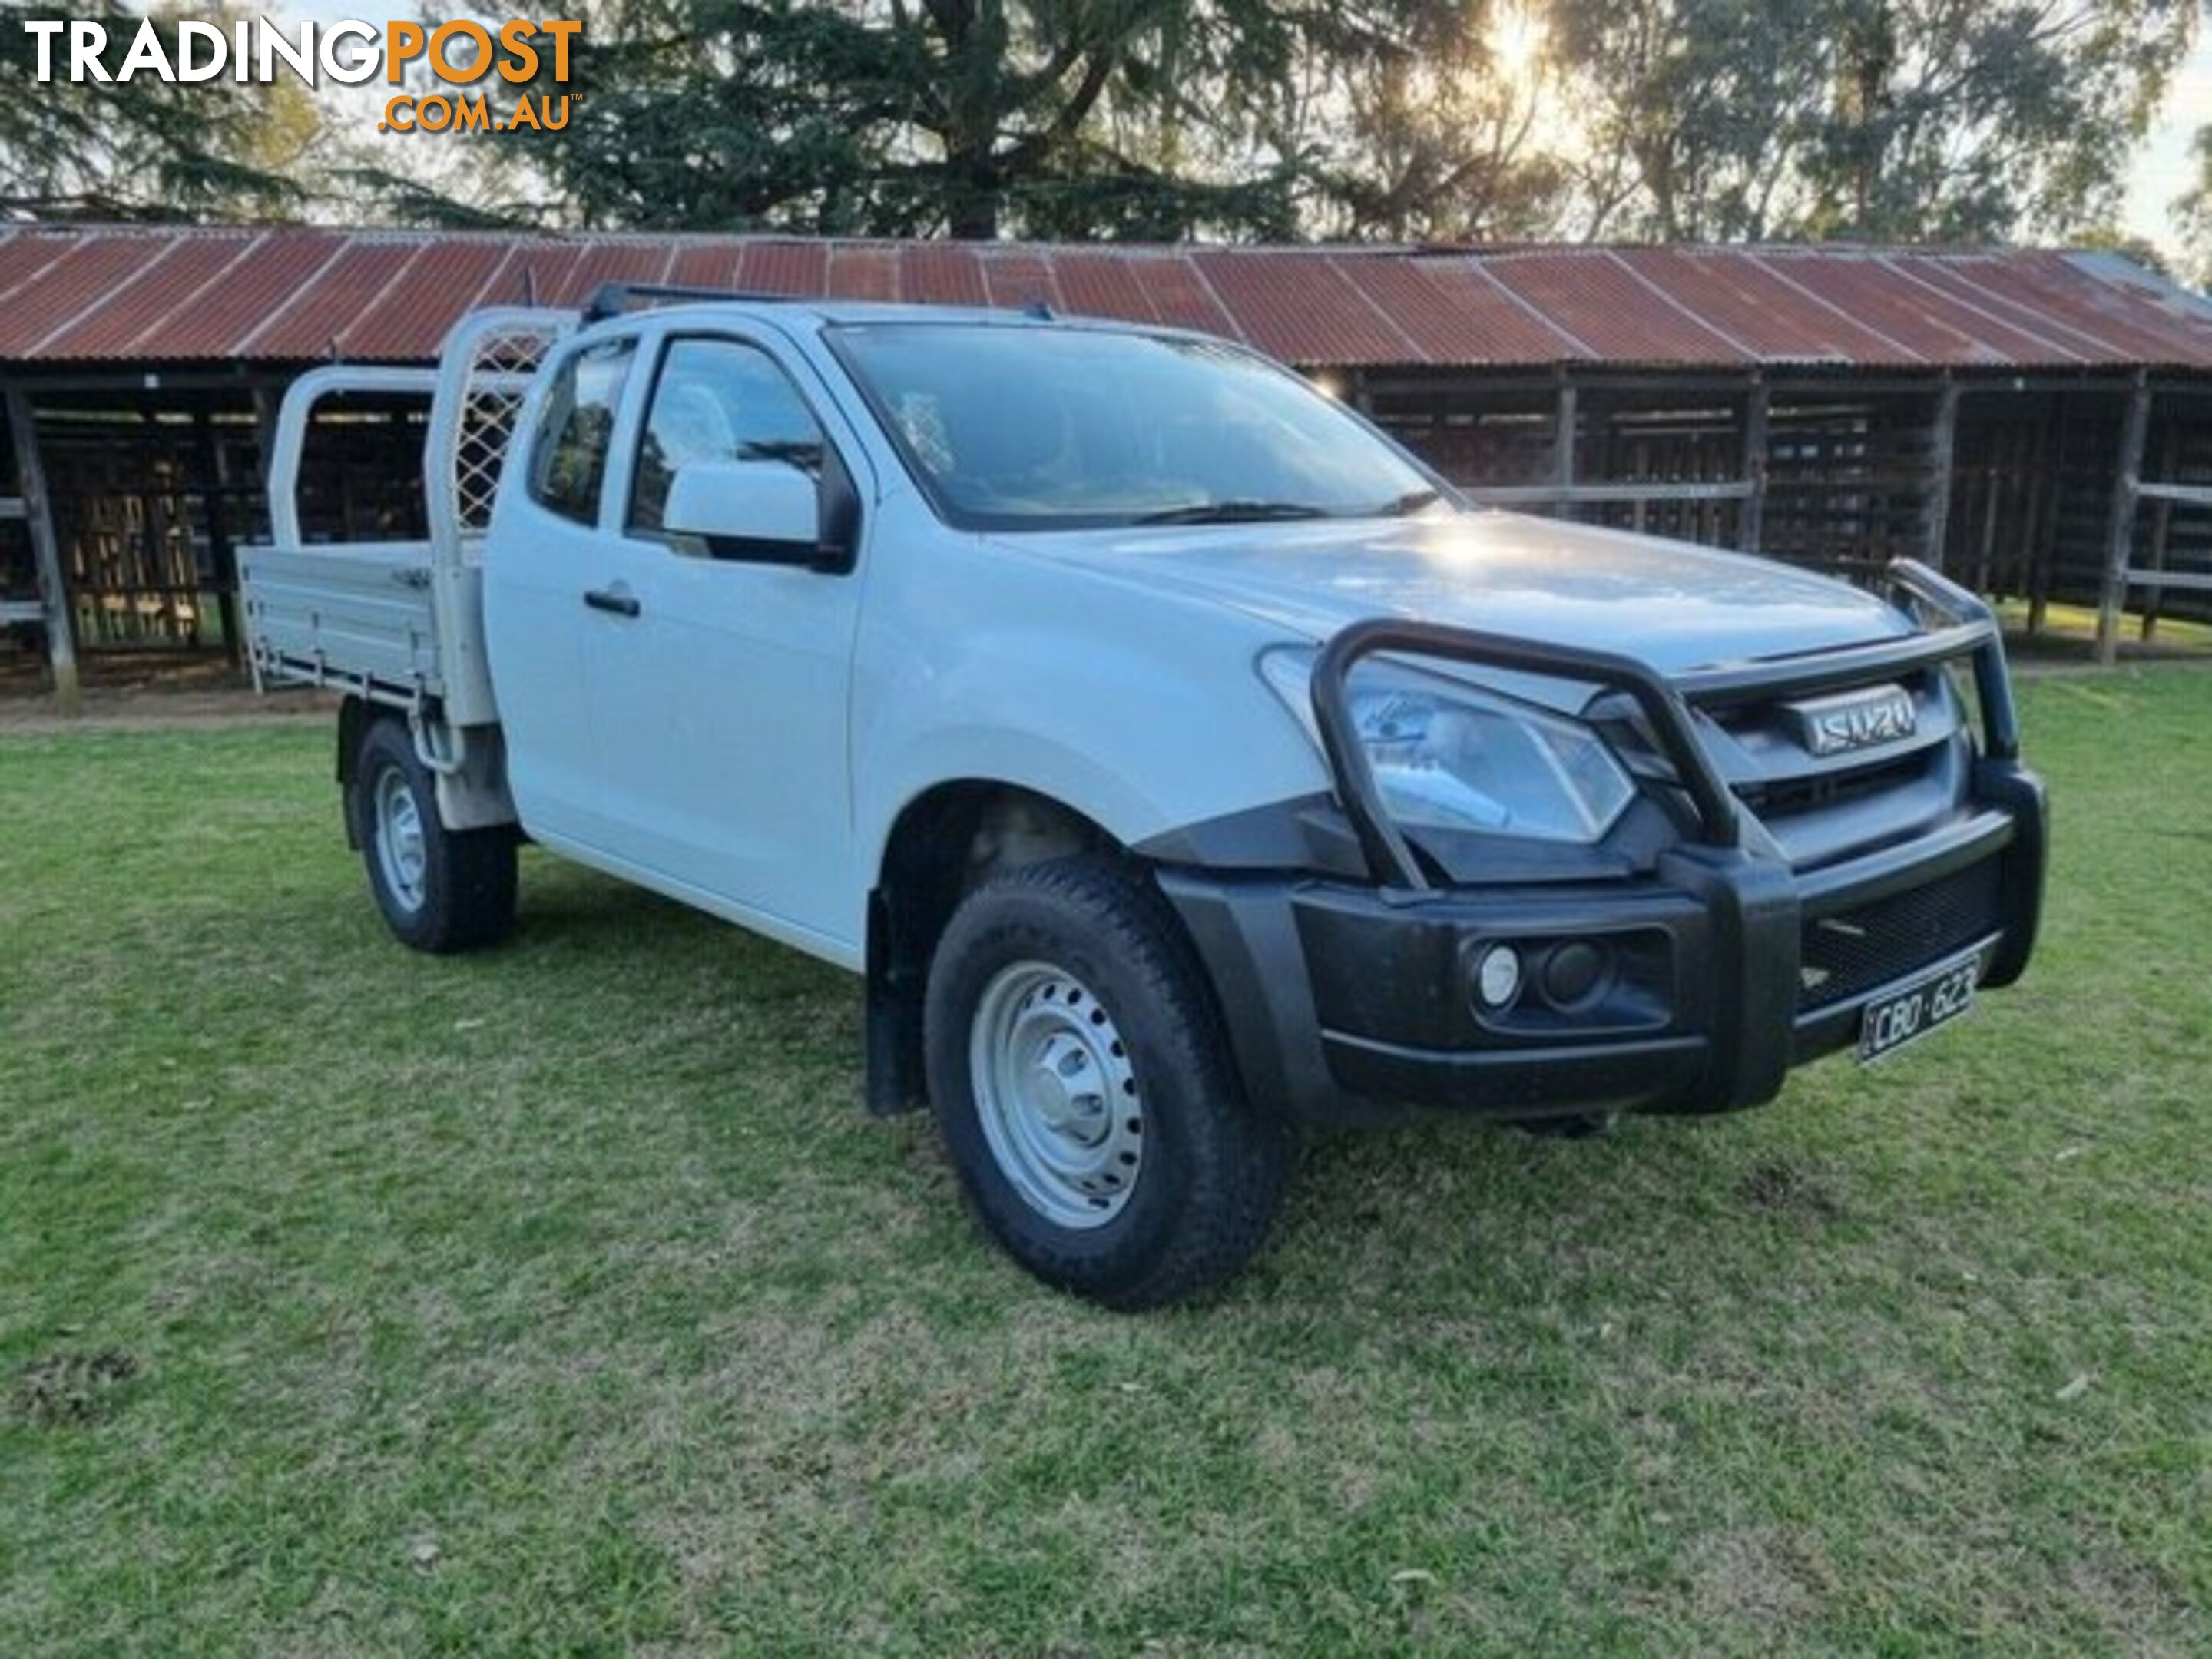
1393, 1201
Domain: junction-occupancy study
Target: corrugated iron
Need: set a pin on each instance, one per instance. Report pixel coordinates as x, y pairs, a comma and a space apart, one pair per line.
1454, 311
1762, 311
1616, 315
1302, 309
300, 294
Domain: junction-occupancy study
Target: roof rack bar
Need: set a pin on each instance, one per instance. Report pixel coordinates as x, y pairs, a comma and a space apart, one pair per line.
613, 298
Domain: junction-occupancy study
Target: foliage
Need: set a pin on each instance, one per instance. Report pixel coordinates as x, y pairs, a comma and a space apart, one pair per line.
1965, 123
1403, 120
146, 149
1062, 117
1427, 128
1892, 121
2193, 212
1693, 111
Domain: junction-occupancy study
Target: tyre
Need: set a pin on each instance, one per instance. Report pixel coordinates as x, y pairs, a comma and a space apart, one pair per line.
1085, 1090
439, 890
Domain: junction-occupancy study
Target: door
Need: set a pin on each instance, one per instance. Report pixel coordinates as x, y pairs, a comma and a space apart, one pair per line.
721, 700
543, 561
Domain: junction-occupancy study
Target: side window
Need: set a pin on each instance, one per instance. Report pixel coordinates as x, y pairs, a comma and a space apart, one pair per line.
717, 400
569, 462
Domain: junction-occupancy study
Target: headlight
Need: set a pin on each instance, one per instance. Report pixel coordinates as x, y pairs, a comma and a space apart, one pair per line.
1449, 757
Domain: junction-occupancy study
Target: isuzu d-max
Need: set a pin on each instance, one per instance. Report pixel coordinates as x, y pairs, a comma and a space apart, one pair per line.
1179, 760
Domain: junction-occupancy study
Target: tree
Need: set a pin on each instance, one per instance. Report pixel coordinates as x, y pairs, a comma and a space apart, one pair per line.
966, 117
1882, 119
1066, 119
146, 148
1406, 120
1695, 111
1971, 122
2193, 213
1423, 125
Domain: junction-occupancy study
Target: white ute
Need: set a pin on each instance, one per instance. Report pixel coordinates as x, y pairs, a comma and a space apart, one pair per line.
1179, 760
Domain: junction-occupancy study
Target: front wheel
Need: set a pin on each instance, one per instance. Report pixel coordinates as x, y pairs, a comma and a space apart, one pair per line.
439, 890
1085, 1091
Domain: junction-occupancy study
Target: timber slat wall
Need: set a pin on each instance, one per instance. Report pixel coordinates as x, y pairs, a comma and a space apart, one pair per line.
153, 488
1849, 479
2174, 539
150, 503
1843, 472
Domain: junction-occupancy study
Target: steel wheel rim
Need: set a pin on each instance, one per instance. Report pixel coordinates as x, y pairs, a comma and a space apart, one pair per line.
403, 851
1056, 1095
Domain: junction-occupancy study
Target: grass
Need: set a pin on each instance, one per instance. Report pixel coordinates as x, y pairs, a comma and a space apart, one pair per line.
2072, 628
562, 1300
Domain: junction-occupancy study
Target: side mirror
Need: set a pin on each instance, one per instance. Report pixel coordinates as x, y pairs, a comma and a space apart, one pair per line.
760, 512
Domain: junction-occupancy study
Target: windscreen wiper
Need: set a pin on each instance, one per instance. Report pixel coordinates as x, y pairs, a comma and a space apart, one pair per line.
1232, 512
1413, 500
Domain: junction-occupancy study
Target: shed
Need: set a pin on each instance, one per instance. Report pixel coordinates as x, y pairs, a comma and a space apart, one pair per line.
2037, 422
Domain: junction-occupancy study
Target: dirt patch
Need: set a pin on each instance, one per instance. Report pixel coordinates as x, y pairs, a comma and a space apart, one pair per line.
144, 690
1780, 1187
1756, 1576
72, 1390
108, 709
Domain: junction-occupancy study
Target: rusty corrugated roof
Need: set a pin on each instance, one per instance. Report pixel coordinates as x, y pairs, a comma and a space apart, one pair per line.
141, 293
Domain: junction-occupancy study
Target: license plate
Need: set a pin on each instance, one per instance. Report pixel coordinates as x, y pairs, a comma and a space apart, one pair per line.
1936, 998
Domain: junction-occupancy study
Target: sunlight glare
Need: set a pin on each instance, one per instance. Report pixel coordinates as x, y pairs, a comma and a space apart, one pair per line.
1518, 36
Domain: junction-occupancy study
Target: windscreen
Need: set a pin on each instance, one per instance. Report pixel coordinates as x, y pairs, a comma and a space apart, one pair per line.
1027, 427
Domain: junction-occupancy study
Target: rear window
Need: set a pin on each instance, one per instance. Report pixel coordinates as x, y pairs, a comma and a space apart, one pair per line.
569, 462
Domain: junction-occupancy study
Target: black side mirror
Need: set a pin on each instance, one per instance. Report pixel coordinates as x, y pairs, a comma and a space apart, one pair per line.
837, 546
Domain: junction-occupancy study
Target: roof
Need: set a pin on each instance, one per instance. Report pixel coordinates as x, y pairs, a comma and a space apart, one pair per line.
171, 294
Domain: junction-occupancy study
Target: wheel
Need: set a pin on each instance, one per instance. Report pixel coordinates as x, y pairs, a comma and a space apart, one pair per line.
439, 890
1086, 1093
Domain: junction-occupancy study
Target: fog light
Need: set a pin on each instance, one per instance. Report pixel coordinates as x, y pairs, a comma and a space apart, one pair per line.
1571, 973
1497, 975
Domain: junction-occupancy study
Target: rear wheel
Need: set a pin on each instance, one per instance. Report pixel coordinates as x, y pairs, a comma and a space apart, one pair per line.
1086, 1093
439, 890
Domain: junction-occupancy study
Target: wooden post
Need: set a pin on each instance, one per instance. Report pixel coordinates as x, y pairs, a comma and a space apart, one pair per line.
1563, 446
38, 511
1985, 554
2161, 529
2120, 530
1942, 445
2044, 480
1751, 519
222, 552
268, 405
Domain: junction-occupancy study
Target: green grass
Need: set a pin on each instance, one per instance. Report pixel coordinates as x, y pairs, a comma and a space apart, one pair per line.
2076, 625
563, 1299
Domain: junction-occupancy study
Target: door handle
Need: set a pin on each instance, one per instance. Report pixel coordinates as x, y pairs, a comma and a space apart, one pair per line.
616, 601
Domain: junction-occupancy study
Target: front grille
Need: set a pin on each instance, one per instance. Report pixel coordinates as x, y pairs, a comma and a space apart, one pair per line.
1782, 798
1856, 949
1805, 799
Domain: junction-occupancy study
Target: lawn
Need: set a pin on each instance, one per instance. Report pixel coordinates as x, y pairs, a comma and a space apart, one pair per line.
563, 1299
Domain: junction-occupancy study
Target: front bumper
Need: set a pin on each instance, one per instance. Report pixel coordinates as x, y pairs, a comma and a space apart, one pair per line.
1714, 973
1720, 971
